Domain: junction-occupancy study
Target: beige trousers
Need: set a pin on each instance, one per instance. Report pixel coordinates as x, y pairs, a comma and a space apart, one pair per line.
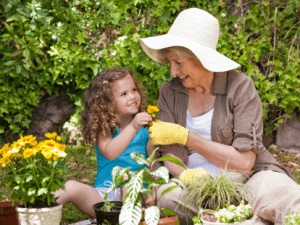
274, 195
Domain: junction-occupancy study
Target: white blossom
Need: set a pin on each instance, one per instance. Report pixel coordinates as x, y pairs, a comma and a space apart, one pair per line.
122, 38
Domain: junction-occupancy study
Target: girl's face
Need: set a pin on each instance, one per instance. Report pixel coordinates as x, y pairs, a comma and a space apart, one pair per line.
127, 100
189, 70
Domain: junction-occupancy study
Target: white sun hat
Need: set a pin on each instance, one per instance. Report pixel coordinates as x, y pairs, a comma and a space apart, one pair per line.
196, 30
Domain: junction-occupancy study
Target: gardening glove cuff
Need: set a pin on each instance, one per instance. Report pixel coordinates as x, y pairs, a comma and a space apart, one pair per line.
189, 175
164, 133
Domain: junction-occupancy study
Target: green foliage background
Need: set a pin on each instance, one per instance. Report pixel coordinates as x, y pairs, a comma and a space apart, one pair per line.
52, 45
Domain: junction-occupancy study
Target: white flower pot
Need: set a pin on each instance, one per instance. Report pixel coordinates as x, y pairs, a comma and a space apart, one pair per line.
246, 222
39, 216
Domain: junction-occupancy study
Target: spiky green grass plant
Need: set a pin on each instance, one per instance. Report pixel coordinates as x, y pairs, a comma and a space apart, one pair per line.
216, 192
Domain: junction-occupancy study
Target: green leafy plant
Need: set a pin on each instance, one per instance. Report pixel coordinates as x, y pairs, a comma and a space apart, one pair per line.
292, 219
33, 170
206, 192
47, 46
140, 185
229, 214
107, 205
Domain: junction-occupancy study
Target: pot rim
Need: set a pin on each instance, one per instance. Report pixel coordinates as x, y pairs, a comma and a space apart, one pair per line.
44, 209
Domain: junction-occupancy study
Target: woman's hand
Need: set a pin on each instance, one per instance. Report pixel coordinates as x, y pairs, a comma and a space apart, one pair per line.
163, 133
188, 176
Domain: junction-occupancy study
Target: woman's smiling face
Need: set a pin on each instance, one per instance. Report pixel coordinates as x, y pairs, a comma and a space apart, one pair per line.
188, 69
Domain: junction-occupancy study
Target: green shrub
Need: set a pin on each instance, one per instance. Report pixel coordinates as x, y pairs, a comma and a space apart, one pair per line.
61, 44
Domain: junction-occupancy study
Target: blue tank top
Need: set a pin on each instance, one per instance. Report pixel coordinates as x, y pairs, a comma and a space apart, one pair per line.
105, 166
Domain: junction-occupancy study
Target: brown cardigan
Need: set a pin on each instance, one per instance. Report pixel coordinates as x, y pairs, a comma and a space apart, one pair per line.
237, 118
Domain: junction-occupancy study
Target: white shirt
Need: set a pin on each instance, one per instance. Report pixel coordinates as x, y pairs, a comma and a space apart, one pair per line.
201, 125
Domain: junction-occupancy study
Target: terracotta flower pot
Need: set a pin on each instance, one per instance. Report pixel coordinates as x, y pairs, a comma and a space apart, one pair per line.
171, 220
8, 214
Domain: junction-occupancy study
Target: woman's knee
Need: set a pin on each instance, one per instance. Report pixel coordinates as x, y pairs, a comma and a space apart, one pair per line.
168, 199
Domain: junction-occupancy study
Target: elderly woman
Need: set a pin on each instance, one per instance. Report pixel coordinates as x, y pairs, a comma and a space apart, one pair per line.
212, 118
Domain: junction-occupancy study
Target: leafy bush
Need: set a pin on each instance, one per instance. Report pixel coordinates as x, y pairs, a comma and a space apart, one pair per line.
48, 45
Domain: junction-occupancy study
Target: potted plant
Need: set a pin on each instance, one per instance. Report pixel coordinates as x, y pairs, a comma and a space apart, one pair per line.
107, 212
139, 186
32, 171
220, 199
292, 218
230, 214
8, 214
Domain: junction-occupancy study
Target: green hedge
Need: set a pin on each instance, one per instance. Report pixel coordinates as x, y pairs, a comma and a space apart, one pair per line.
48, 45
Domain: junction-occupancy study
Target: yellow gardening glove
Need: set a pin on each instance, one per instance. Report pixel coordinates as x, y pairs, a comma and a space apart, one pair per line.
163, 133
188, 176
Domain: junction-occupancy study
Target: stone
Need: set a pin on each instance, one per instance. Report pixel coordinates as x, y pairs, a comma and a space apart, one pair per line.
51, 114
288, 135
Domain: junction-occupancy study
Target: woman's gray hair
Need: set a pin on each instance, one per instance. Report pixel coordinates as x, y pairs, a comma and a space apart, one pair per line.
181, 52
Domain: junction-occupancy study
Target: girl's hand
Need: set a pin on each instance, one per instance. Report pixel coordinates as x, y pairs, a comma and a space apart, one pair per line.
140, 120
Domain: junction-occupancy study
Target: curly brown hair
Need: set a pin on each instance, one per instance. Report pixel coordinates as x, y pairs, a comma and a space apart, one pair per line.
97, 116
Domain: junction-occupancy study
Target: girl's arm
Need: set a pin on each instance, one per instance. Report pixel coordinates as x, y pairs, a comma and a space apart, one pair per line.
111, 148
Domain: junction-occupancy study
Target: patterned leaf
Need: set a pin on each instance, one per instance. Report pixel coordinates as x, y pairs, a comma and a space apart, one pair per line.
118, 174
134, 185
131, 209
161, 172
152, 215
138, 158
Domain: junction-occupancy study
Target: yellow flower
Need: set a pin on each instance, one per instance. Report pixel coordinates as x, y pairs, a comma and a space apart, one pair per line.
58, 138
28, 140
51, 135
4, 149
15, 159
46, 154
58, 154
12, 153
28, 152
4, 161
153, 110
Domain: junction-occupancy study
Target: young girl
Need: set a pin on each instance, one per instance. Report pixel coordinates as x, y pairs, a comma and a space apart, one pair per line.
113, 120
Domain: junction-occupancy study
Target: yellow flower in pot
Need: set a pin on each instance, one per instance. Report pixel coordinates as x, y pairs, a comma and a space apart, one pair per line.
32, 171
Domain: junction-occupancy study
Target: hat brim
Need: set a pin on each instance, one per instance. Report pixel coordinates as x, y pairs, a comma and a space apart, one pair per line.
211, 59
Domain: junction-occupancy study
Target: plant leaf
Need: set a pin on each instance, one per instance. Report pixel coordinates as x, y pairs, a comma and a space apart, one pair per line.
132, 209
134, 185
162, 172
174, 186
152, 215
118, 176
138, 158
171, 159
